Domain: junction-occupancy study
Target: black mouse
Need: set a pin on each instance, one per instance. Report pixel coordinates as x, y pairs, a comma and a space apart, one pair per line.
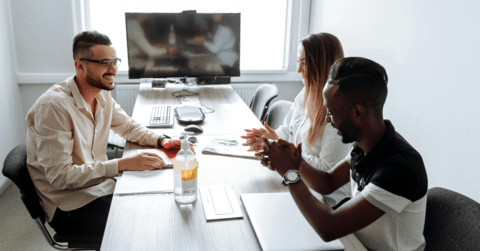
193, 128
193, 140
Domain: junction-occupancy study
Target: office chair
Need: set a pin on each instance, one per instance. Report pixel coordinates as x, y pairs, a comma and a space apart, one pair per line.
452, 221
15, 168
115, 142
277, 112
264, 94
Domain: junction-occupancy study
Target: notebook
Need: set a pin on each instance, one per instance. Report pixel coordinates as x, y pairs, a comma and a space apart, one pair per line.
143, 182
228, 147
220, 202
279, 224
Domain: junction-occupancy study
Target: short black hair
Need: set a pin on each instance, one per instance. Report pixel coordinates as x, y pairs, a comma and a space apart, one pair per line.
83, 41
361, 81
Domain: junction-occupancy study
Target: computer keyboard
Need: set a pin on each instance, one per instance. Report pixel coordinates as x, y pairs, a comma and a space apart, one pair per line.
161, 116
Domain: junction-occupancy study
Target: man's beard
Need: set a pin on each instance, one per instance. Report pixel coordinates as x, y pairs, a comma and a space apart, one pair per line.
347, 137
347, 131
95, 82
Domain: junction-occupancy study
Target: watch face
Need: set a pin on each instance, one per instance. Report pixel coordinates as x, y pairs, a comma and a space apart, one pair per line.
292, 176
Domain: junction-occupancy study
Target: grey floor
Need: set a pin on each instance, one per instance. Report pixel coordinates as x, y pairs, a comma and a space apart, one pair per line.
18, 231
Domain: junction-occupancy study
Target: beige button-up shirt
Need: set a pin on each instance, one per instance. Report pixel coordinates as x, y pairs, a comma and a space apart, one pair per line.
67, 146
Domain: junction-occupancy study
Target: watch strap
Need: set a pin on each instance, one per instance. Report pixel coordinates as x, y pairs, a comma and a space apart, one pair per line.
159, 141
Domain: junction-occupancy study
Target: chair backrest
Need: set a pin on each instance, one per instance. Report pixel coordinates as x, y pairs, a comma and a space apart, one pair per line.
15, 168
452, 221
264, 94
277, 112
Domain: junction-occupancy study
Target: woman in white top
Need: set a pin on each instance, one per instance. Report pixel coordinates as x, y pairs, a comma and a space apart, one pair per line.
305, 122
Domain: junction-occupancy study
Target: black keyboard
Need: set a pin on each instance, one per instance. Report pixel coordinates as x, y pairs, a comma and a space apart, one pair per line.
161, 115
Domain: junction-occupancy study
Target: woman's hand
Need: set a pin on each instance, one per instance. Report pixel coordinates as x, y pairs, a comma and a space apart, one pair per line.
254, 137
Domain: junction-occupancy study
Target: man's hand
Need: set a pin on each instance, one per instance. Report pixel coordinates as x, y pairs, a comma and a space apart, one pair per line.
280, 156
174, 144
141, 161
199, 40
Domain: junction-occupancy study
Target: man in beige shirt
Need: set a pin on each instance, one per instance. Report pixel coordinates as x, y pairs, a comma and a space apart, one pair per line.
67, 135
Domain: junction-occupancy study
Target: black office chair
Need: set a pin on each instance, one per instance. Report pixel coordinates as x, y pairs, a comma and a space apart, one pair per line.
116, 143
277, 112
452, 221
264, 94
15, 168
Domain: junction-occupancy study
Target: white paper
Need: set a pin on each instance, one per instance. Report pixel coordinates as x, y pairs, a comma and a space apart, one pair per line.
228, 147
220, 202
135, 182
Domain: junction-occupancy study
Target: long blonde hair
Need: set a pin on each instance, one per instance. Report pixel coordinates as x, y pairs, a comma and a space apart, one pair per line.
321, 51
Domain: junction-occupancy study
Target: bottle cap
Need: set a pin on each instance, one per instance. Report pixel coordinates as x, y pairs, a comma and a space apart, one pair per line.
185, 143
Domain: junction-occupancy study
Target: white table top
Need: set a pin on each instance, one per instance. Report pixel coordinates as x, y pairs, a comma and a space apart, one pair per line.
157, 222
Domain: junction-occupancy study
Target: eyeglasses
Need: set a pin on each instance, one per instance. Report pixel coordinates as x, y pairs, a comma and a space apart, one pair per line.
105, 62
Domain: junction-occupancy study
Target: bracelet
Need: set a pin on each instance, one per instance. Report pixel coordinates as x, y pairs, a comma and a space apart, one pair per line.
159, 141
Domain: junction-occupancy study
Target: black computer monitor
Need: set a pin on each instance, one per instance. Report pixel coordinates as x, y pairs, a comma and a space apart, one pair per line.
187, 44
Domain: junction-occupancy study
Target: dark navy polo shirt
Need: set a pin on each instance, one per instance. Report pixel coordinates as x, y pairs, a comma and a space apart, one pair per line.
393, 164
391, 177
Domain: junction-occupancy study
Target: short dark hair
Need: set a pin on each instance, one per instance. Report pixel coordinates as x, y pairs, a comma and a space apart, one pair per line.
361, 81
83, 41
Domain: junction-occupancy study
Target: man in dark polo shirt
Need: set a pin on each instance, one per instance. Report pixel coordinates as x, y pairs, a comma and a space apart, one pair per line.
388, 177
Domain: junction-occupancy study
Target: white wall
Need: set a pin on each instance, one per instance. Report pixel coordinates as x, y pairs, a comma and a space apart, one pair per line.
11, 122
44, 32
431, 51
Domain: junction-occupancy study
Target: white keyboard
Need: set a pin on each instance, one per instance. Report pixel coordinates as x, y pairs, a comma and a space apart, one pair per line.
161, 116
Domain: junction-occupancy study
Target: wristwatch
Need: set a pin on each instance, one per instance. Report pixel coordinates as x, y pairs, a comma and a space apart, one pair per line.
290, 177
159, 141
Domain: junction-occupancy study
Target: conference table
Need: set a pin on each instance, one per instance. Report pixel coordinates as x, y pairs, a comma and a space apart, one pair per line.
155, 221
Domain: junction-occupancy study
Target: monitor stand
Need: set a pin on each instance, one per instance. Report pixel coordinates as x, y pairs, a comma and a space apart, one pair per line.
213, 80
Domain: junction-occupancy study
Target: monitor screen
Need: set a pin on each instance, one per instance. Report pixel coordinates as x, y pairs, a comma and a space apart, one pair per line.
188, 44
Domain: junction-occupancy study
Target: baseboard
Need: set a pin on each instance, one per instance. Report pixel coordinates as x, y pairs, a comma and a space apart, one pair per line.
4, 185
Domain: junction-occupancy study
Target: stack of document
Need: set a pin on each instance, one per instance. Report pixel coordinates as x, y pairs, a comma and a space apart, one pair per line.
220, 202
136, 182
228, 147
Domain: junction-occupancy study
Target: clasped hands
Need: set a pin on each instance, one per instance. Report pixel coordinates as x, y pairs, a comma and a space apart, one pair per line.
280, 155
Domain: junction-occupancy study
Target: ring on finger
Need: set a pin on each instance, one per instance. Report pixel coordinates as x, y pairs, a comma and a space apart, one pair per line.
262, 157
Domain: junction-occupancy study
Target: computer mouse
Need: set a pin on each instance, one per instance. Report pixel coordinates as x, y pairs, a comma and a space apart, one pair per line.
193, 140
193, 128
